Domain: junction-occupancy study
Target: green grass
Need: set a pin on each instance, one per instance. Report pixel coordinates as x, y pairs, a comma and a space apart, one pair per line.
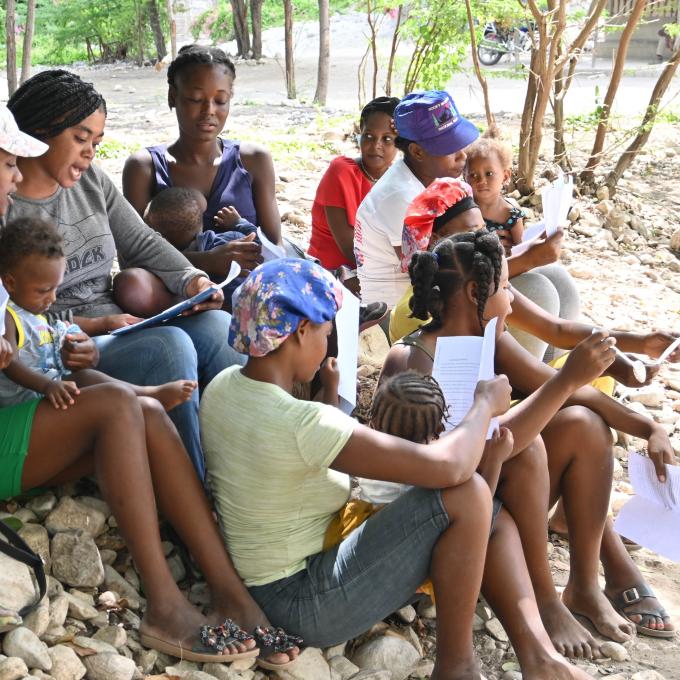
112, 148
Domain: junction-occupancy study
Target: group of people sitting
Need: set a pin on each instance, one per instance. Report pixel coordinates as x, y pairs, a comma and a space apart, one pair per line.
291, 558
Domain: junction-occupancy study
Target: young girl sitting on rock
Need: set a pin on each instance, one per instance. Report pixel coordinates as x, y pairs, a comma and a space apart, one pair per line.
461, 285
276, 507
32, 266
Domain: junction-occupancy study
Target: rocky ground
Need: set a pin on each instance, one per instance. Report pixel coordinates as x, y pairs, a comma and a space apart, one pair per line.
622, 251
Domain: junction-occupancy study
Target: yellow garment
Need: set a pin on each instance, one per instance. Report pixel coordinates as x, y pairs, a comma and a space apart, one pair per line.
401, 323
605, 383
352, 515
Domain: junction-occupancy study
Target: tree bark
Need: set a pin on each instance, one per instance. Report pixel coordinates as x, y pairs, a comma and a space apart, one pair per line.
324, 54
393, 52
490, 119
10, 35
155, 22
140, 32
617, 73
647, 124
256, 23
290, 58
170, 9
239, 11
28, 41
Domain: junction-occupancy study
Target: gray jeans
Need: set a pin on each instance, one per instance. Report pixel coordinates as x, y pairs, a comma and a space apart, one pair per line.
553, 290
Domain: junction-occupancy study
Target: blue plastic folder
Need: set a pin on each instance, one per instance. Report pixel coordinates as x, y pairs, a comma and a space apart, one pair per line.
185, 305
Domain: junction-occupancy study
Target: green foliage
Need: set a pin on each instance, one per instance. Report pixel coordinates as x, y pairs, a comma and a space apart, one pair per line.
112, 148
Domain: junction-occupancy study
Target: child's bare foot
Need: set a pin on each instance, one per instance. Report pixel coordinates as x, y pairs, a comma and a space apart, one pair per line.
171, 394
594, 606
568, 636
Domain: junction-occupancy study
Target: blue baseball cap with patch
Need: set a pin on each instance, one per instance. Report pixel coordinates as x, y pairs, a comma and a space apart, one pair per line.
431, 120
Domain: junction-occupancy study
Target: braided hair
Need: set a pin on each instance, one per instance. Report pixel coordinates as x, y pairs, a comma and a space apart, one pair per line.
409, 405
27, 236
384, 105
438, 274
195, 55
52, 101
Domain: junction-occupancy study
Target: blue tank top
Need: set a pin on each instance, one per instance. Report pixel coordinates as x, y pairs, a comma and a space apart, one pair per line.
232, 184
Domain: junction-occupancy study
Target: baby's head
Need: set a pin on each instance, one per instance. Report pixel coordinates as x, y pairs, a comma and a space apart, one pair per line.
411, 406
31, 263
286, 306
489, 165
177, 214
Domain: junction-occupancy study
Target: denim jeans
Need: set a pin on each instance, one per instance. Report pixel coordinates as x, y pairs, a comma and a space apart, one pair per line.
192, 348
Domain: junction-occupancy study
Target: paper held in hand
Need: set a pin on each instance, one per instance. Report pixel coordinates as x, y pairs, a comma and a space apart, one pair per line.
4, 299
556, 199
184, 306
347, 328
269, 250
459, 364
652, 516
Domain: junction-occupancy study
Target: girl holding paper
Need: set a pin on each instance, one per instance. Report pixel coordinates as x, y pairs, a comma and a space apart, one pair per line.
461, 285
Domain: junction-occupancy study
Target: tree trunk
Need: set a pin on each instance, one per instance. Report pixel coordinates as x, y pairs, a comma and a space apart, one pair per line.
170, 9
490, 119
256, 23
10, 34
647, 124
140, 32
28, 41
155, 22
324, 54
393, 52
290, 58
239, 11
596, 153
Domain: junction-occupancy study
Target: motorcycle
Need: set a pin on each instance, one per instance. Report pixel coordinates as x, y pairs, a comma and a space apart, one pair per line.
498, 41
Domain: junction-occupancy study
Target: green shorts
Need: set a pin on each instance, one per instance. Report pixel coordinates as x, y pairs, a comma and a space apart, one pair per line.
16, 423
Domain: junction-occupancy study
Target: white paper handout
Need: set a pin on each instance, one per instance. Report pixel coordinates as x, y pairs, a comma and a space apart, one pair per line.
4, 299
557, 199
459, 364
668, 351
529, 237
347, 327
652, 516
270, 251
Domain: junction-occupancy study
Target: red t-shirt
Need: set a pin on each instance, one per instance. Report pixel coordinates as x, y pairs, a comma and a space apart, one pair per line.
342, 186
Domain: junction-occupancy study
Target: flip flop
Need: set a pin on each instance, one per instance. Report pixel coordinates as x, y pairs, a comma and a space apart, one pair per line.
274, 641
214, 640
633, 596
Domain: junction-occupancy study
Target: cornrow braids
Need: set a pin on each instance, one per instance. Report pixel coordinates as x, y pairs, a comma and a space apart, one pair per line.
194, 55
52, 101
437, 275
378, 105
409, 405
28, 236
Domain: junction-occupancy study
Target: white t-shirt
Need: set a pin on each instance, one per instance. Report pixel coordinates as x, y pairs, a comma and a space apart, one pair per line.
380, 493
377, 231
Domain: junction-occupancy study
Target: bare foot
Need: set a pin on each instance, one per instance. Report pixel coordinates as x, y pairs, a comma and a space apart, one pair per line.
594, 606
462, 671
653, 614
554, 669
568, 636
171, 394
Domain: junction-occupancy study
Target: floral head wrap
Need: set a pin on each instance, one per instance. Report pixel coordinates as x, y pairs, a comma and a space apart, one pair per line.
271, 302
439, 198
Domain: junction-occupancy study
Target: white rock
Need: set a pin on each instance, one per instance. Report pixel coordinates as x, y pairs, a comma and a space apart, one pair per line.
648, 675
59, 610
79, 609
372, 675
39, 619
224, 671
13, 668
343, 667
407, 614
66, 664
675, 240
114, 581
495, 628
188, 675
387, 653
146, 660
336, 650
42, 505
26, 645
113, 635
310, 666
98, 646
75, 559
109, 667
38, 540
613, 650
16, 584
70, 515
652, 396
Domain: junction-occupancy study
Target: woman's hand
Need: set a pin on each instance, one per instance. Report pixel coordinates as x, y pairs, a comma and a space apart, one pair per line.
622, 370
499, 448
245, 251
546, 251
197, 285
79, 351
656, 343
589, 359
113, 321
660, 451
6, 353
329, 375
496, 392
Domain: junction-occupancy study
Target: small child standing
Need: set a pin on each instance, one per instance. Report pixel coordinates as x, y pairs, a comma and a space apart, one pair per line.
488, 170
32, 266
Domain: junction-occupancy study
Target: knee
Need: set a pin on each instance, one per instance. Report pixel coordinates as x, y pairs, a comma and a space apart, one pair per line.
120, 401
587, 428
152, 409
137, 291
175, 345
469, 500
533, 459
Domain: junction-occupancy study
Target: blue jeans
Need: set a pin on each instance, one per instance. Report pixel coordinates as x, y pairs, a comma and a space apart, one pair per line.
192, 348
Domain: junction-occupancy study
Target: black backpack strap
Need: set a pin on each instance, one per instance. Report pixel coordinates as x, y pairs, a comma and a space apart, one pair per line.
18, 549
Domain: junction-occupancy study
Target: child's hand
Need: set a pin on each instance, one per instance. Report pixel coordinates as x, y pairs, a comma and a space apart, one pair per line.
589, 359
246, 251
227, 217
329, 374
656, 343
623, 371
660, 451
113, 321
496, 392
6, 353
500, 446
60, 393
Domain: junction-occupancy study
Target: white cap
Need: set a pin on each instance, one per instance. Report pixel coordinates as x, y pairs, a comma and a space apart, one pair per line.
16, 142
